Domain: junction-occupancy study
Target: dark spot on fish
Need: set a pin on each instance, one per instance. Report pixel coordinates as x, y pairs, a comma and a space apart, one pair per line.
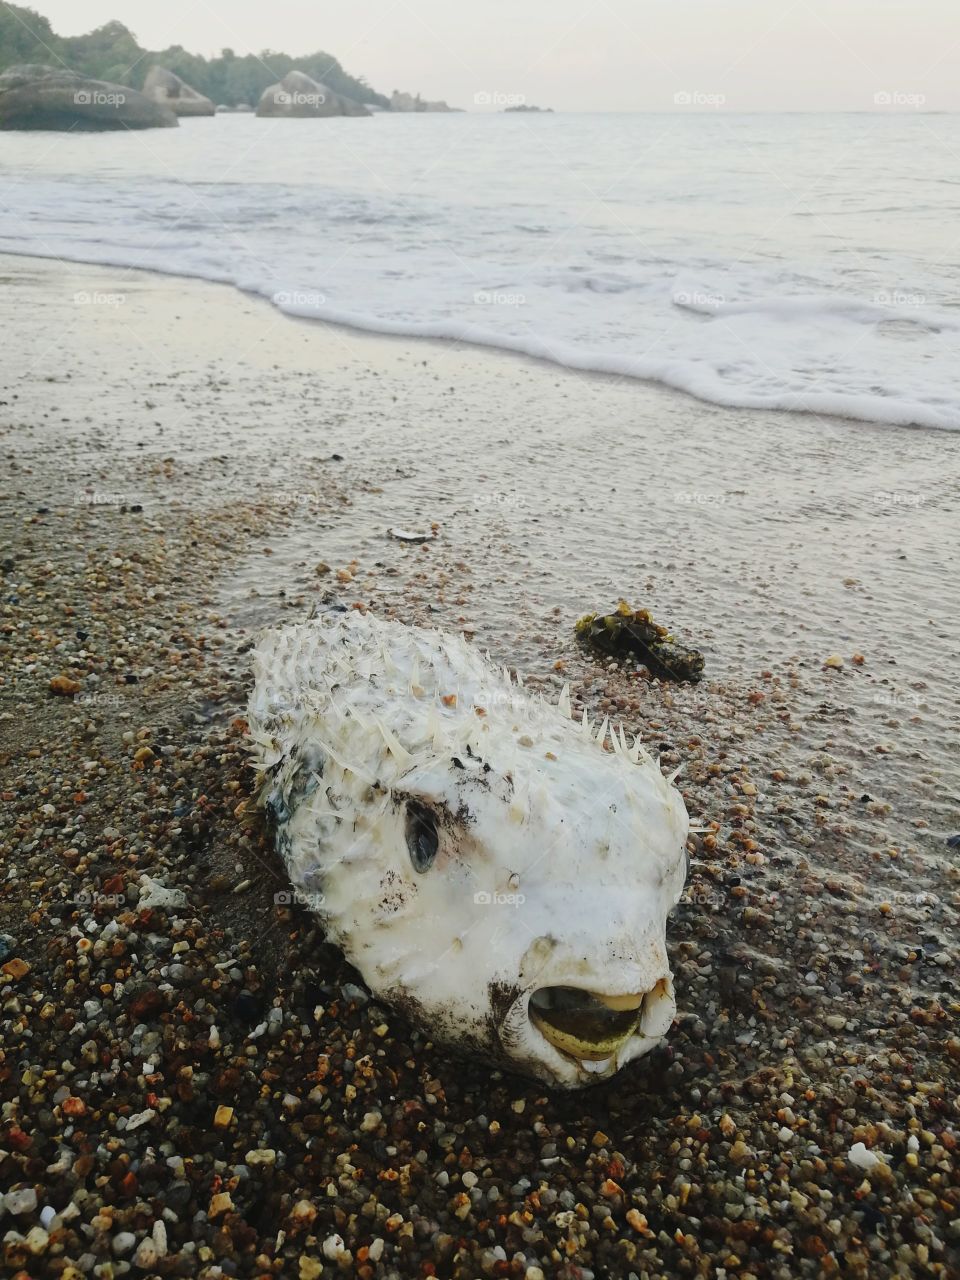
276, 808
395, 891
503, 996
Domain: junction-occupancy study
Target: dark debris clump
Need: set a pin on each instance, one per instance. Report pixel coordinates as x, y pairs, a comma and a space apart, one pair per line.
630, 633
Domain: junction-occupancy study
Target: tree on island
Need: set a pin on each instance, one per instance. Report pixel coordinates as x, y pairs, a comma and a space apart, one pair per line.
112, 52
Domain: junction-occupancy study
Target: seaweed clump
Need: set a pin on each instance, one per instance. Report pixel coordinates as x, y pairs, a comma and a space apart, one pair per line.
633, 633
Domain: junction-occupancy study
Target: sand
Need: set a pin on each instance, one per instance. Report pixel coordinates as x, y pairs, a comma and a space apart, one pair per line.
201, 1082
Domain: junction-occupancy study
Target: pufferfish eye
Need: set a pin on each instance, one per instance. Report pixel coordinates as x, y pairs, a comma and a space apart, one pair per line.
422, 837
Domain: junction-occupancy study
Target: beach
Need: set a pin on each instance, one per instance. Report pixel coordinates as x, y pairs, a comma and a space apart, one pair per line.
194, 1083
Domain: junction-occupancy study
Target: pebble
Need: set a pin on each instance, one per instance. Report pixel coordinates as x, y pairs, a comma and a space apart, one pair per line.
334, 1248
64, 686
36, 1241
862, 1157
20, 1201
140, 1118
146, 1255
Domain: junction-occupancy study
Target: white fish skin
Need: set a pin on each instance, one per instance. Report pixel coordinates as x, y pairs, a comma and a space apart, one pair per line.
555, 862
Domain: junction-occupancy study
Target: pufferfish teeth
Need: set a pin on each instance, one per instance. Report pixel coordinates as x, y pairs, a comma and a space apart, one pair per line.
596, 1068
632, 1001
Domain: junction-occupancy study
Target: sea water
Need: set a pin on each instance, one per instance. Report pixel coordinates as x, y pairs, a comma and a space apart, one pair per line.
804, 262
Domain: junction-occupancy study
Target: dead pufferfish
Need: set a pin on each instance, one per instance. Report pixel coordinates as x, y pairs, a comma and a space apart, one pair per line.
485, 862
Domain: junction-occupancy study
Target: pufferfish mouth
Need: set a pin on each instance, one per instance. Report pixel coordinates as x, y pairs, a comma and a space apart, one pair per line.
592, 1028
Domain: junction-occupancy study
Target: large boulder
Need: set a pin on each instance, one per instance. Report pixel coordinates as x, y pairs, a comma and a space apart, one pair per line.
170, 91
33, 96
298, 96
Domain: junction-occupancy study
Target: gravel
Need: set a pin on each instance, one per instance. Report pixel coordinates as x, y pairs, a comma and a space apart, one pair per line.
192, 1083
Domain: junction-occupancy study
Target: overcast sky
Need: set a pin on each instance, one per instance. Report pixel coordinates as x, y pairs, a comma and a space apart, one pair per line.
605, 55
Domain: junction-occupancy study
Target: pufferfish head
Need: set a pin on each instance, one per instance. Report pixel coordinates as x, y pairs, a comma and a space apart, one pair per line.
511, 896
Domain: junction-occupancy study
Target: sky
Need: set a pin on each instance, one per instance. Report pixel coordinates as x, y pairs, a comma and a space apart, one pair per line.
586, 55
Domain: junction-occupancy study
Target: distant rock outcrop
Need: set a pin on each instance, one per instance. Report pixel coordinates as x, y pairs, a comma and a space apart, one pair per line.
407, 102
34, 96
298, 96
170, 91
544, 111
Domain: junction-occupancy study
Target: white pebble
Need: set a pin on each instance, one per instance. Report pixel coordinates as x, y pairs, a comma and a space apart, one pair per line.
333, 1248
123, 1242
160, 1238
862, 1157
36, 1241
146, 1255
262, 1155
140, 1118
22, 1201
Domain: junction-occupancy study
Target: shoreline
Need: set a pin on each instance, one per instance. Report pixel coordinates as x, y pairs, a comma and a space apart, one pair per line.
583, 366
214, 1066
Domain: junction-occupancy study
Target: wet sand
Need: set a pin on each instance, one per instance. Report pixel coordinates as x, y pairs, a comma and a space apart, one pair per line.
187, 464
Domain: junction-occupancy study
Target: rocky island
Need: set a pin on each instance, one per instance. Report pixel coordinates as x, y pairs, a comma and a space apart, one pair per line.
298, 96
169, 90
410, 103
36, 96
